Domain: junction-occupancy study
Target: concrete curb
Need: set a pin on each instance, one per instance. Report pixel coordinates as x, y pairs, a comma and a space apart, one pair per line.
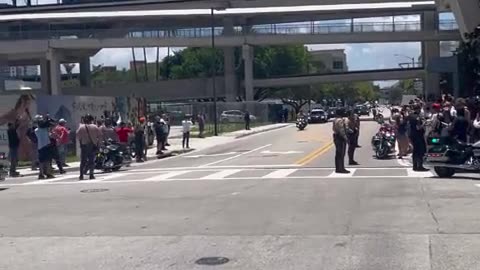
261, 131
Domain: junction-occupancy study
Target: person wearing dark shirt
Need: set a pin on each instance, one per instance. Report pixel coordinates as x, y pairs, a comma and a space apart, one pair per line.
140, 140
460, 126
13, 145
416, 134
246, 117
33, 140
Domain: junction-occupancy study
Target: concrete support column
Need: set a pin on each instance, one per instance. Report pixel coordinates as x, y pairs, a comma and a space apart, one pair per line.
247, 53
55, 72
430, 50
85, 73
229, 65
45, 75
4, 72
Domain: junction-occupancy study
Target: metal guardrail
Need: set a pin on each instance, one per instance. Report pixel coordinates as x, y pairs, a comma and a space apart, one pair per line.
273, 29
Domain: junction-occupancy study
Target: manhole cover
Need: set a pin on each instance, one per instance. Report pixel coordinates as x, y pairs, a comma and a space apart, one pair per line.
2, 189
302, 141
93, 190
212, 261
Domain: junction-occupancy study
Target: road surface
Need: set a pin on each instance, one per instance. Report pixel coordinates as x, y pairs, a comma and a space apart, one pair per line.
267, 201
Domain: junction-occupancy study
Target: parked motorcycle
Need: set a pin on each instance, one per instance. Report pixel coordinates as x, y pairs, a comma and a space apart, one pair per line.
301, 123
4, 165
446, 156
111, 157
383, 143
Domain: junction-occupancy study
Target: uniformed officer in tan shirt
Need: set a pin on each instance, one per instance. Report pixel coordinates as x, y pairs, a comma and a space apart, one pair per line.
340, 139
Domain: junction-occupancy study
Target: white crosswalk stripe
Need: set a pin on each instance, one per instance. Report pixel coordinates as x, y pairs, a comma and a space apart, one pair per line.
221, 174
282, 173
166, 176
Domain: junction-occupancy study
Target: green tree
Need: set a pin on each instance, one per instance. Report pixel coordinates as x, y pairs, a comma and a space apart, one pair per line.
396, 94
408, 86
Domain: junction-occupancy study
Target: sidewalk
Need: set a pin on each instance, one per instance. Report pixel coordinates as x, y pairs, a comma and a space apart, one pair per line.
175, 147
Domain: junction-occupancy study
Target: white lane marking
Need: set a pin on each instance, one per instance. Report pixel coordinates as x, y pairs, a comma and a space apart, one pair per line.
477, 185
345, 175
265, 167
236, 156
412, 173
404, 161
282, 153
100, 178
212, 155
221, 174
282, 173
56, 179
165, 176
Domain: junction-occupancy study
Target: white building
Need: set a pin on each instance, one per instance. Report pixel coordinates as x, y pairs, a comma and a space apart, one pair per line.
330, 60
23, 71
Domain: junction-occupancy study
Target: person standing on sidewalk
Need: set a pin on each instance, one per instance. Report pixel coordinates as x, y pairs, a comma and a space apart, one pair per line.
140, 140
201, 125
13, 145
89, 137
340, 140
186, 127
44, 149
33, 141
160, 128
247, 120
62, 134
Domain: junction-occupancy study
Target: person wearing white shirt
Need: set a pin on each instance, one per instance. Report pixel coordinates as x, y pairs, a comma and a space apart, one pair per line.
186, 128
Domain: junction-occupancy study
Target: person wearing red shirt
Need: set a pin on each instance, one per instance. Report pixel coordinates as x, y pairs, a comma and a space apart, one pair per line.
123, 133
61, 134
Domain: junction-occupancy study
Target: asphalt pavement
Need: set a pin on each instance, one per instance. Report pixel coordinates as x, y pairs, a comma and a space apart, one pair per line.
267, 201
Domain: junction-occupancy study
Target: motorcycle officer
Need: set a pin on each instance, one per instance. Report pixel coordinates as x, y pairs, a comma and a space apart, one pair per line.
416, 134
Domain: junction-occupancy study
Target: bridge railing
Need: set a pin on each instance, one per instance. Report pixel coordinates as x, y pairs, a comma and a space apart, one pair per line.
312, 28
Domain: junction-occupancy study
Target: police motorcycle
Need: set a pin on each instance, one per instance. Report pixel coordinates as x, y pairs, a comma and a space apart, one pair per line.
447, 156
301, 123
383, 143
4, 165
111, 156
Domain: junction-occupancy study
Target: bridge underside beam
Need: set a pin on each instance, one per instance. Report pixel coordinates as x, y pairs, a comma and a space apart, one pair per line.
259, 40
344, 77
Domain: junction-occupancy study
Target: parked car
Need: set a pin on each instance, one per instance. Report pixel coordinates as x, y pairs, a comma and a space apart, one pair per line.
317, 116
235, 116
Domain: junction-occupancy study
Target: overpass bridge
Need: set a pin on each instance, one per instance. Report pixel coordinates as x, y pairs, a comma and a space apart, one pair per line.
24, 40
200, 88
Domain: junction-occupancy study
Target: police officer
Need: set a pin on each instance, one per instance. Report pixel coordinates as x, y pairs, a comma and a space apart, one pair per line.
352, 134
416, 134
340, 140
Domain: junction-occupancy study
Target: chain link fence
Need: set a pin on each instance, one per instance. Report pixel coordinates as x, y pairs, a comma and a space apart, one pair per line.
230, 115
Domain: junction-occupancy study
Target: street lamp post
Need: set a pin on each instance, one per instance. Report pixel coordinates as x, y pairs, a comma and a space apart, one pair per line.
214, 71
406, 56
